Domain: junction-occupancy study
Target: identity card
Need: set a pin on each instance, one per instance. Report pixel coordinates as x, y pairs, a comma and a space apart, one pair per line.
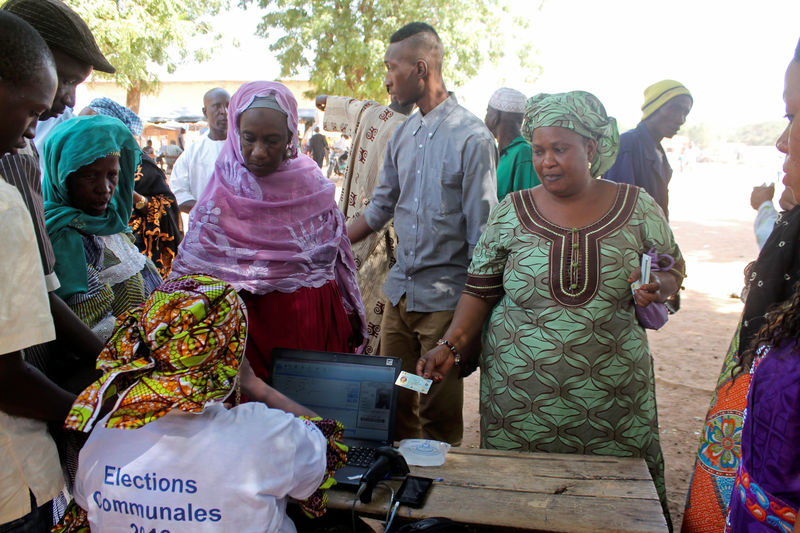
413, 382
645, 275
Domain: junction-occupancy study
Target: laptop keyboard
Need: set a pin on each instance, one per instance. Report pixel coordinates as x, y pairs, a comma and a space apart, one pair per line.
360, 456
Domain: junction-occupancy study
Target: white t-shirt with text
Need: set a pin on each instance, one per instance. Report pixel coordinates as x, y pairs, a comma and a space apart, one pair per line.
219, 470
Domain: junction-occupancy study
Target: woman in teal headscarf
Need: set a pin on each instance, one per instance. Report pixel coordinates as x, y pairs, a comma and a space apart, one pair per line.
565, 365
88, 197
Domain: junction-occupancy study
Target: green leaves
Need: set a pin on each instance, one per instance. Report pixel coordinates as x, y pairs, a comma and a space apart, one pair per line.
136, 35
342, 42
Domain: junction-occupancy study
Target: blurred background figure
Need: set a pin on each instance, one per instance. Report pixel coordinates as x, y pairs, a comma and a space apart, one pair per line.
194, 167
767, 215
642, 160
515, 170
318, 145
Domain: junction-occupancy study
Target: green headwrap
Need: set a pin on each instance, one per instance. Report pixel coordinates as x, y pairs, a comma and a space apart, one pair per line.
580, 112
71, 145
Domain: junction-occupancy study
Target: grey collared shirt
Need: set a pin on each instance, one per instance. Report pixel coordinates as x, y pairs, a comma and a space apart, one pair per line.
439, 183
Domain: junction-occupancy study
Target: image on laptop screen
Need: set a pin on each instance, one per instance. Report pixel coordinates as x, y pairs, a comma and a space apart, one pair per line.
359, 396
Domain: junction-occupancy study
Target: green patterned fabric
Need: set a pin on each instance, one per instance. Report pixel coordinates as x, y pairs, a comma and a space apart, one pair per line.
580, 112
565, 366
115, 283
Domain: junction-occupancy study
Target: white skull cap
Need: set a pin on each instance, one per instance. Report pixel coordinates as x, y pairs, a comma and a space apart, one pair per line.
509, 100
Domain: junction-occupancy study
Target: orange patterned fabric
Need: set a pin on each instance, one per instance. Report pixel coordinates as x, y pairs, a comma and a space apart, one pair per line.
180, 350
720, 451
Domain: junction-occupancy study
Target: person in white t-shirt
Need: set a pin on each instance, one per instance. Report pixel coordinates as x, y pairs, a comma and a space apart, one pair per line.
170, 455
192, 171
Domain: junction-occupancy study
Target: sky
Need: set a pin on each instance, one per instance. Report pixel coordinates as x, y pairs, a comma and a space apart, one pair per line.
730, 54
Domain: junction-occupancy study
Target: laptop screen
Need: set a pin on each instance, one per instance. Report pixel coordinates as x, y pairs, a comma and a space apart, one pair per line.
352, 389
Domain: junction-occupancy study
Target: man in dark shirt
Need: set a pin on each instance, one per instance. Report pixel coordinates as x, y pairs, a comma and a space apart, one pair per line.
319, 147
641, 160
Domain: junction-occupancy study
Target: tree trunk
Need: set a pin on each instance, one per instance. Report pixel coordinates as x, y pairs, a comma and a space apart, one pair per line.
133, 97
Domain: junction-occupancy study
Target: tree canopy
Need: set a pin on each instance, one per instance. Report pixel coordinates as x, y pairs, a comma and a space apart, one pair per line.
137, 35
341, 43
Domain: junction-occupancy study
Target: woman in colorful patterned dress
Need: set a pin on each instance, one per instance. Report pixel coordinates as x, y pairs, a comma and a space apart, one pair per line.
771, 280
89, 167
766, 493
565, 366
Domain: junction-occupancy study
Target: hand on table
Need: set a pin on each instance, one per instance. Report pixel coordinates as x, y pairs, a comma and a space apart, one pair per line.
436, 363
761, 194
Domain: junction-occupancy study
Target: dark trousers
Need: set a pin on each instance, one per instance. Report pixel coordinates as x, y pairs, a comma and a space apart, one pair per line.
39, 520
438, 414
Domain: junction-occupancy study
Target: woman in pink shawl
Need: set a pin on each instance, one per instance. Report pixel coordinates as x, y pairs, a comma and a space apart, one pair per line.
267, 223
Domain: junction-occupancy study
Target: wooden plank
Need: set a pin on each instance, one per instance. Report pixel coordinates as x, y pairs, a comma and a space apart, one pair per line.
525, 511
555, 464
531, 491
527, 473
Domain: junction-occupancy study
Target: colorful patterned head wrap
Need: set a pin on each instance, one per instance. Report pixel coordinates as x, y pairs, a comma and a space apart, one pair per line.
580, 112
180, 350
108, 107
660, 93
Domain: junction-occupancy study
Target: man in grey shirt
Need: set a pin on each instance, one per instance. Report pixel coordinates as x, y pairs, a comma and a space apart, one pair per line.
438, 181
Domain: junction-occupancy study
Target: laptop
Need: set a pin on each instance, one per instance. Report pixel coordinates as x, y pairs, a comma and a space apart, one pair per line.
357, 390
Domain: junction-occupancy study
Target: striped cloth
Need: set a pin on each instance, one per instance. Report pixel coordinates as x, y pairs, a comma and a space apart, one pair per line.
22, 171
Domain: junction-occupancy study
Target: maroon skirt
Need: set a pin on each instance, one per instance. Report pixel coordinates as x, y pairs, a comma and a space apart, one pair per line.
307, 319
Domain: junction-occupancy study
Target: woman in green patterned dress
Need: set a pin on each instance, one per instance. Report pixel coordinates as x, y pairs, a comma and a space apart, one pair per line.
565, 365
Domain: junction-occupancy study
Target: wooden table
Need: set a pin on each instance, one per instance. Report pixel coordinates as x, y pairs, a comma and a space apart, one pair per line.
503, 490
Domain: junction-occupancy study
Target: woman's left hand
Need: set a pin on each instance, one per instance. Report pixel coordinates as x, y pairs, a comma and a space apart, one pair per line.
355, 322
648, 292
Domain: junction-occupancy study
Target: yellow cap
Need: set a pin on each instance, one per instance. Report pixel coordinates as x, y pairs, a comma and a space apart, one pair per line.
660, 93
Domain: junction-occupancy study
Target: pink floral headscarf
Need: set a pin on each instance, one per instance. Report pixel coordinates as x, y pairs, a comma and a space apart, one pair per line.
280, 232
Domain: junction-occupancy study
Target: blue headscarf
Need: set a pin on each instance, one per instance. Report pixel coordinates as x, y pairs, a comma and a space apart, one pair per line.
71, 145
108, 107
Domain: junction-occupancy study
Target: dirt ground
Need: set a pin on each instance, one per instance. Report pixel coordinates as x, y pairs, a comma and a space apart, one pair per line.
712, 220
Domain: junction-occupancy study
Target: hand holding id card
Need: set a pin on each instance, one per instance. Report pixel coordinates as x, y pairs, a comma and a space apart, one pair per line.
644, 277
413, 382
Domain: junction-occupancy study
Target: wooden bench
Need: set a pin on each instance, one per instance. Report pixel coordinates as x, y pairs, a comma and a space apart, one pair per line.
518, 491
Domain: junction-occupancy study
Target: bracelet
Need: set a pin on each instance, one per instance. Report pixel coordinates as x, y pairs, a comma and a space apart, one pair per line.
456, 355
